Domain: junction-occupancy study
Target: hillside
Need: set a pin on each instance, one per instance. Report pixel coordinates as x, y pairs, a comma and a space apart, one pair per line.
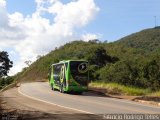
133, 60
147, 40
75, 50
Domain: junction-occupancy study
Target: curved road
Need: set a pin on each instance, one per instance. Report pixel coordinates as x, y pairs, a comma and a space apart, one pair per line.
86, 103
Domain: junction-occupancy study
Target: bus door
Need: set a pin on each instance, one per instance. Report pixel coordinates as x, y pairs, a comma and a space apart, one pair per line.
57, 74
63, 76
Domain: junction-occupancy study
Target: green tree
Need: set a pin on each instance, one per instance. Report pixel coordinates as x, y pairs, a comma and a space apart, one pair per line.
101, 58
117, 72
5, 63
152, 74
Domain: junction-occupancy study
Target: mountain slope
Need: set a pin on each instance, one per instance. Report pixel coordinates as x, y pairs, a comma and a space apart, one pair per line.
75, 50
133, 60
147, 40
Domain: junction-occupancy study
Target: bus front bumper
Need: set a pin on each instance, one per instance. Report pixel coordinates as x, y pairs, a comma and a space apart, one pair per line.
77, 88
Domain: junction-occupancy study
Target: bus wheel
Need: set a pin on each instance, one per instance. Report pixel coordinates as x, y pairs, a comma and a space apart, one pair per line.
79, 93
61, 89
52, 87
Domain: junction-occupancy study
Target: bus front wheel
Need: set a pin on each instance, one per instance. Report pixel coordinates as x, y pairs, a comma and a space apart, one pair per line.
52, 87
61, 89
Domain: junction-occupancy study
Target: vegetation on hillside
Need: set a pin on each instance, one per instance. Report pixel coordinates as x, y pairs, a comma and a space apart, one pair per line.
6, 81
147, 40
5, 65
118, 89
132, 61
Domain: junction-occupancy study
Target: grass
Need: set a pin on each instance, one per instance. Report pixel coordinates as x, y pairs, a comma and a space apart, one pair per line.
115, 88
155, 94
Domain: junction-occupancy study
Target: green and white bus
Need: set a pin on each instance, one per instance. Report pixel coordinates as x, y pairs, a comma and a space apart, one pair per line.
69, 76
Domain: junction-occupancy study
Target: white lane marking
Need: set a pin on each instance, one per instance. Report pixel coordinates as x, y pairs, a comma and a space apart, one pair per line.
96, 102
125, 101
122, 101
53, 103
117, 100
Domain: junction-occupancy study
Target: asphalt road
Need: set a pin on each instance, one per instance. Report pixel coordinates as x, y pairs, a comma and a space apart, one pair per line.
85, 103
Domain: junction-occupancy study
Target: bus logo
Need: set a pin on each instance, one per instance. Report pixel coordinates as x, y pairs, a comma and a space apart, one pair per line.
82, 68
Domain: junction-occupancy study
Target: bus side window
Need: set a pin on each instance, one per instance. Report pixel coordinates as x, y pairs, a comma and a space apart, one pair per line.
55, 72
59, 71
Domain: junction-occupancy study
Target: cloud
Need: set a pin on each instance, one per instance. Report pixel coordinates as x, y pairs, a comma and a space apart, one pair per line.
91, 36
2, 3
36, 34
3, 12
10, 32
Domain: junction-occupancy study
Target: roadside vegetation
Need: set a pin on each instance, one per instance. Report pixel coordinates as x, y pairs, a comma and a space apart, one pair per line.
130, 66
118, 89
5, 65
6, 81
155, 94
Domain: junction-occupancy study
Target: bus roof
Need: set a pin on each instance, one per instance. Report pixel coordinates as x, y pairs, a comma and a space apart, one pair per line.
70, 60
64, 61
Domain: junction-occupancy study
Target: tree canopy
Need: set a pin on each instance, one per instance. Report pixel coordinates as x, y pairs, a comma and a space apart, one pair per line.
5, 63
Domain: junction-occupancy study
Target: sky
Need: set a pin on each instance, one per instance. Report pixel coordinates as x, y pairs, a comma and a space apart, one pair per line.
30, 28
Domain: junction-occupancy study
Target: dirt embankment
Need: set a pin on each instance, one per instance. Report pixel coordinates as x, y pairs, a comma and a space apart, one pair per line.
153, 100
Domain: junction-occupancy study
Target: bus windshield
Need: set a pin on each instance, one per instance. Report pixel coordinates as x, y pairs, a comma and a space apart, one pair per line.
79, 72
